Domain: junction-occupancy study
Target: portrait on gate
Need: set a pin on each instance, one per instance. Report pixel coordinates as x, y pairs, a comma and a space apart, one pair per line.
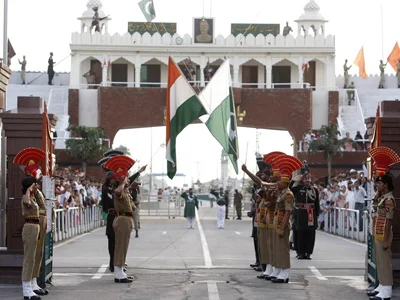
203, 30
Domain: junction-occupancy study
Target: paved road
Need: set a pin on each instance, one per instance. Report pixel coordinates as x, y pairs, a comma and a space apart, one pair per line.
169, 261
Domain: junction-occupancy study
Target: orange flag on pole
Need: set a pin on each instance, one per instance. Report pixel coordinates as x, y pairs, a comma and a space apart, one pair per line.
360, 63
394, 57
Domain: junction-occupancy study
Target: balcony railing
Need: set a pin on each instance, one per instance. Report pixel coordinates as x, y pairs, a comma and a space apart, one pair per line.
263, 85
303, 146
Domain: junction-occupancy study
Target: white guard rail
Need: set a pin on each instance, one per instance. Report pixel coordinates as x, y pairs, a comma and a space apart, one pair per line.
75, 220
346, 223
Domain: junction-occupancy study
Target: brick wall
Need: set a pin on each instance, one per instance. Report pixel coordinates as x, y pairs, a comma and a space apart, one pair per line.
286, 109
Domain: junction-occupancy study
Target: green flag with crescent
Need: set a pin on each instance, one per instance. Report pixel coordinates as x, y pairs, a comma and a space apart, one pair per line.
147, 8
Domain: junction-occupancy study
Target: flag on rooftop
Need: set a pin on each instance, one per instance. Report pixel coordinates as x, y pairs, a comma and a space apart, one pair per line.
147, 8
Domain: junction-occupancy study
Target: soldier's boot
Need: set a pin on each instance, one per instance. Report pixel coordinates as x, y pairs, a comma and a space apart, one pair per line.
37, 289
28, 292
137, 234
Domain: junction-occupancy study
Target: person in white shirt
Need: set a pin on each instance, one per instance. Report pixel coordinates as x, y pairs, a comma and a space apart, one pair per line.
359, 198
353, 175
165, 195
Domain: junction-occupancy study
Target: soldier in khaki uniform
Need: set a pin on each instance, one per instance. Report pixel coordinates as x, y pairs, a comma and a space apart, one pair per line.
265, 215
124, 208
283, 209
33, 206
384, 207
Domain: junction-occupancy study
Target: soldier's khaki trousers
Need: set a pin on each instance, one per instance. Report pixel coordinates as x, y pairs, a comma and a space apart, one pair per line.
30, 234
40, 246
122, 227
384, 262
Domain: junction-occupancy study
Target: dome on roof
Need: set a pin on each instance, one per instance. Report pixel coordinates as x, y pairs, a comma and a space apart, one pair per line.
94, 3
311, 6
311, 12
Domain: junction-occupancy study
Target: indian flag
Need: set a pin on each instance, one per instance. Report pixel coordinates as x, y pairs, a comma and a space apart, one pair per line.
217, 98
183, 107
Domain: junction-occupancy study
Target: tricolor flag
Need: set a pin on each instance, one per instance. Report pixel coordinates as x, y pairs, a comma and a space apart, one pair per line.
394, 57
183, 107
217, 98
360, 63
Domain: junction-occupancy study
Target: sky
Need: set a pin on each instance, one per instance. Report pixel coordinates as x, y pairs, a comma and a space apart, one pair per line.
36, 28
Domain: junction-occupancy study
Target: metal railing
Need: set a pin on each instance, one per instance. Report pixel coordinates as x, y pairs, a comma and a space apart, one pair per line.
61, 96
359, 109
73, 221
264, 85
346, 223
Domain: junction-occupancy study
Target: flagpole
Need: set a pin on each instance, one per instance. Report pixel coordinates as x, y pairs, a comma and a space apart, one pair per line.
382, 31
5, 36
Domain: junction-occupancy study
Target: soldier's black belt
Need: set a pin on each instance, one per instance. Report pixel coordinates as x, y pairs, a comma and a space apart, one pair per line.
112, 211
32, 220
126, 214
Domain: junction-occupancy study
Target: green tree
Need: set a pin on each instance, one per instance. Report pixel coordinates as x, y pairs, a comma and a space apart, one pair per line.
329, 144
88, 144
123, 149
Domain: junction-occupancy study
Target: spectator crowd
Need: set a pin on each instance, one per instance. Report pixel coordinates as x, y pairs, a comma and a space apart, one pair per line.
347, 191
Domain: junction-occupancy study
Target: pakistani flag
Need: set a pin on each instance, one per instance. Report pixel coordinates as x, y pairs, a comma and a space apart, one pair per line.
217, 98
182, 108
147, 8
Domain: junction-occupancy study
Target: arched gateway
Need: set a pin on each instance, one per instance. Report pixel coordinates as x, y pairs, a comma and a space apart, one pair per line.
115, 108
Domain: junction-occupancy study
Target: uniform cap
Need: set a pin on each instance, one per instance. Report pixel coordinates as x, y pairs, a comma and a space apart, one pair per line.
112, 152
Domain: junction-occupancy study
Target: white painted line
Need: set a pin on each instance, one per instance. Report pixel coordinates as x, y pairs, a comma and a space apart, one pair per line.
78, 274
206, 251
317, 273
75, 238
100, 272
164, 232
237, 232
343, 239
212, 291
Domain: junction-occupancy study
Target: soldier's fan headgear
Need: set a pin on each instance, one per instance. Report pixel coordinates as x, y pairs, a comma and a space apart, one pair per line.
287, 165
270, 158
120, 165
29, 159
383, 158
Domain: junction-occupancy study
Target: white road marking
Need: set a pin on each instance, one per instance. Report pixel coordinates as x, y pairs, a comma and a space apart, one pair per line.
78, 274
75, 238
164, 232
237, 232
212, 291
344, 239
317, 273
100, 272
206, 251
